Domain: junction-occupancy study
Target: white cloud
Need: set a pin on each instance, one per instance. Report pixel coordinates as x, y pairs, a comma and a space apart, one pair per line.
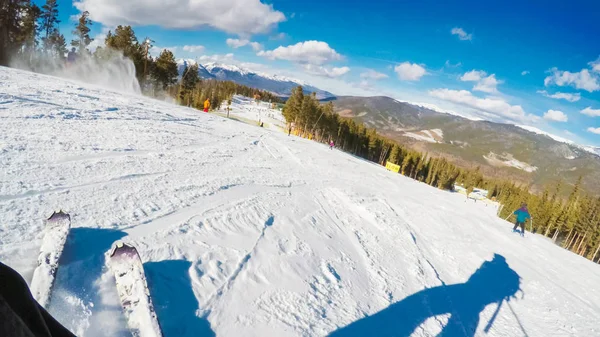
216, 58
494, 108
555, 115
580, 80
461, 34
99, 39
308, 52
484, 83
447, 64
373, 75
561, 95
256, 46
525, 72
324, 71
156, 50
488, 84
591, 112
410, 71
594, 130
237, 43
243, 17
364, 84
473, 76
193, 49
280, 36
595, 65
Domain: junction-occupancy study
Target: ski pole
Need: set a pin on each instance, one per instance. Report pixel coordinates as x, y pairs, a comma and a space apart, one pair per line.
508, 217
517, 318
491, 321
531, 227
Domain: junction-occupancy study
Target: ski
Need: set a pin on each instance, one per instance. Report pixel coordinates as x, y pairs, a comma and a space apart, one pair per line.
133, 291
55, 236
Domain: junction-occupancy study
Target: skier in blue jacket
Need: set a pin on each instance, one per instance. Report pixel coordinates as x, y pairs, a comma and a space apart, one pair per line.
522, 216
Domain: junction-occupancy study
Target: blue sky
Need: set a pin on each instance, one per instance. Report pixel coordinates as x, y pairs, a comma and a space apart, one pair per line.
534, 63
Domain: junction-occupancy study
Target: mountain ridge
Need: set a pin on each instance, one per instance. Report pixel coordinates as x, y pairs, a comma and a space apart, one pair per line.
277, 84
501, 150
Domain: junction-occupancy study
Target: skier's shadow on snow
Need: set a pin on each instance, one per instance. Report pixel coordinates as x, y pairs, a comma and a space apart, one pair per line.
81, 265
174, 300
492, 283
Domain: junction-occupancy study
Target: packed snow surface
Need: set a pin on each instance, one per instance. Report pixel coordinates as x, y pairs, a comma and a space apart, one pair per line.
245, 231
249, 110
430, 136
507, 159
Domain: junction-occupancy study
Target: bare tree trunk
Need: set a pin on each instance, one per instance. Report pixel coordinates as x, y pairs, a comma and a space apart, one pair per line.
547, 230
581, 242
568, 239
573, 242
383, 155
555, 235
596, 252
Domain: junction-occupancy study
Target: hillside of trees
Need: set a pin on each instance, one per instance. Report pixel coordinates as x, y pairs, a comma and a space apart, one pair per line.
30, 35
573, 223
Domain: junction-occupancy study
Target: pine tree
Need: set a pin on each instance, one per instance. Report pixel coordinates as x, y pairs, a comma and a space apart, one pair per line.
49, 24
13, 31
30, 28
82, 33
59, 44
292, 108
394, 154
165, 72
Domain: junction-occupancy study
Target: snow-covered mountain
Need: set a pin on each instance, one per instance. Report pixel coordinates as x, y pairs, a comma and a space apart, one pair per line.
277, 84
591, 149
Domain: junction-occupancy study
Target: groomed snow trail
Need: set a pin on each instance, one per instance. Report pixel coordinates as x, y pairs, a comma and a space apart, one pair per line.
245, 231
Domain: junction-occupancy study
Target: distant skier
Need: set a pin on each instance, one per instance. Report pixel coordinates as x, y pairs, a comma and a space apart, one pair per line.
206, 105
522, 216
71, 57
331, 144
290, 130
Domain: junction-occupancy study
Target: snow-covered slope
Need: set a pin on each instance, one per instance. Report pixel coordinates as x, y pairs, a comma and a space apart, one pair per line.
430, 136
245, 231
248, 110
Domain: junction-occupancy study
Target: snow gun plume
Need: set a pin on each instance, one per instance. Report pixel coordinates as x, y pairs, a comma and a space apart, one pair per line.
110, 70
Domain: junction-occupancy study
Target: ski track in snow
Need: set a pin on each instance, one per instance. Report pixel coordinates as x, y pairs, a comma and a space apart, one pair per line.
245, 231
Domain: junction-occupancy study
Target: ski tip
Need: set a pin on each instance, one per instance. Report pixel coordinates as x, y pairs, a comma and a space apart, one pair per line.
60, 215
121, 248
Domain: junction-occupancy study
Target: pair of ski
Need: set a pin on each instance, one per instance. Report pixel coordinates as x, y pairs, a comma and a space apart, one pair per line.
124, 261
518, 232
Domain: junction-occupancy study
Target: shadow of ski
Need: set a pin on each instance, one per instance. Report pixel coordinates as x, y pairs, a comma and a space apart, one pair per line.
84, 298
174, 300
